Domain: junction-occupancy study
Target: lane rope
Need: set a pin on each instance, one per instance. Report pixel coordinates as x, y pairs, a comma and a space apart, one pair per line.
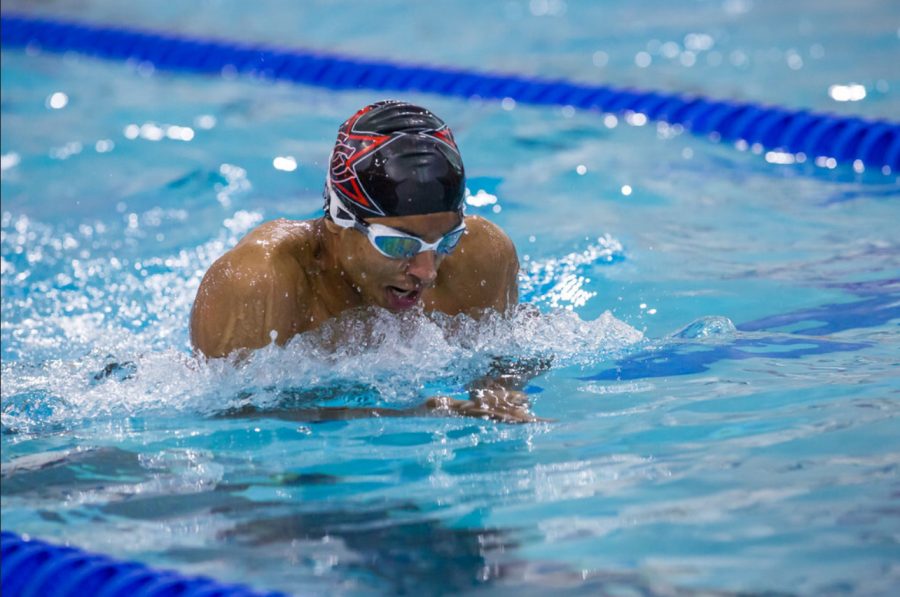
817, 136
32, 568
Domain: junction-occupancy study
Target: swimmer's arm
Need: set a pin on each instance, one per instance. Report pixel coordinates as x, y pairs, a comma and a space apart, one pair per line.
499, 395
483, 273
508, 410
249, 297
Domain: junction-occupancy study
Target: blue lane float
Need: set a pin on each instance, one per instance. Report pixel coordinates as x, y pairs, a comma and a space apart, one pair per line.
34, 568
848, 139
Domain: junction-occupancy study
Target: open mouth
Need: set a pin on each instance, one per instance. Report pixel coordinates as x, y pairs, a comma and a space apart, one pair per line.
398, 298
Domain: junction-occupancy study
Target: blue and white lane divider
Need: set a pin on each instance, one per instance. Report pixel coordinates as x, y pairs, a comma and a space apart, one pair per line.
818, 136
33, 568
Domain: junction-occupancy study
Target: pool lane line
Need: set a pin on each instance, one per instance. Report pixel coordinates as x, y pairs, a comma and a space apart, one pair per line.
817, 136
34, 567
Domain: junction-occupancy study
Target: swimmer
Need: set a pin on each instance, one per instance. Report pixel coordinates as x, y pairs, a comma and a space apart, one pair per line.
393, 235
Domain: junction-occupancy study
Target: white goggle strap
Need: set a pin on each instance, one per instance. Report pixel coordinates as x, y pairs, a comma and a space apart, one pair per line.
340, 215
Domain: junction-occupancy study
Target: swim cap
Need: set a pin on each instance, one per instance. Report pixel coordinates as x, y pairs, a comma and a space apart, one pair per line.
394, 159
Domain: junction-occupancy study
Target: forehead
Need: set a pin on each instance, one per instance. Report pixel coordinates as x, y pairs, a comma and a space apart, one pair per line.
429, 227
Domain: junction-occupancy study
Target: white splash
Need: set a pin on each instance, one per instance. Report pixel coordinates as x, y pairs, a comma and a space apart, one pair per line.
562, 282
93, 336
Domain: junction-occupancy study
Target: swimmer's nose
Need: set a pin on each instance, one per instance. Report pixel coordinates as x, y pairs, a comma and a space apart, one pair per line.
423, 267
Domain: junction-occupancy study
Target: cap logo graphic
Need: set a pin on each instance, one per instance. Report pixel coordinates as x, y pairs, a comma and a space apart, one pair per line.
355, 144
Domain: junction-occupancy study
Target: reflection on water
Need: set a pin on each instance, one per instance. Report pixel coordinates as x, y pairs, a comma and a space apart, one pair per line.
384, 545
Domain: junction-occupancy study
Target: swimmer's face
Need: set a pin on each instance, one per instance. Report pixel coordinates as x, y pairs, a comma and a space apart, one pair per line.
395, 284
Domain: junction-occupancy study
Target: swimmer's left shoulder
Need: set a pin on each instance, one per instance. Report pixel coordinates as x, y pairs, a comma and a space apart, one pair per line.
487, 236
282, 235
480, 274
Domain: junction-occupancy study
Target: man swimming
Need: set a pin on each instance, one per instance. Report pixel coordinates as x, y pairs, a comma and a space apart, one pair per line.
394, 235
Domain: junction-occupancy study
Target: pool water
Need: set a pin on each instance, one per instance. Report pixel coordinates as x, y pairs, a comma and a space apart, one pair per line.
722, 396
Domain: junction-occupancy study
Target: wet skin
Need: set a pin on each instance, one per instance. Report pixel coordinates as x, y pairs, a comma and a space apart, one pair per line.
287, 277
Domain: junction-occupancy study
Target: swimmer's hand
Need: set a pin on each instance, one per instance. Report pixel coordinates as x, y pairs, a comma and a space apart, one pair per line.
495, 403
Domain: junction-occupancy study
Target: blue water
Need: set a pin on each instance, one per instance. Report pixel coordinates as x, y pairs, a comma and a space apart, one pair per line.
723, 395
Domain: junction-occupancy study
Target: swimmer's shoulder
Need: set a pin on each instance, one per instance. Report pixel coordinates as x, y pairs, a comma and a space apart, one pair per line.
280, 239
480, 274
256, 291
276, 255
488, 240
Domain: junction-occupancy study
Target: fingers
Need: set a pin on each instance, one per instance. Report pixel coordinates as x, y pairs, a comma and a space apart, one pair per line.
518, 398
500, 397
496, 404
438, 402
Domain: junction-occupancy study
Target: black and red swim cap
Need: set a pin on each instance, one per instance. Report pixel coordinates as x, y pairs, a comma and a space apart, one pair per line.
395, 159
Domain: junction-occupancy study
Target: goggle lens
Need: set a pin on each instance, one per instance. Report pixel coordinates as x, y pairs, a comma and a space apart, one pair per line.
450, 241
397, 247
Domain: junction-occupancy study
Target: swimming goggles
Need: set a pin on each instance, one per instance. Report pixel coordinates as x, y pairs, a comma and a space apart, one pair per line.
391, 242
399, 245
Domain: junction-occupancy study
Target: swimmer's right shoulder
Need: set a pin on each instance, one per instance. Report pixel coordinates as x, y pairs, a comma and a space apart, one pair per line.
277, 238
258, 288
278, 252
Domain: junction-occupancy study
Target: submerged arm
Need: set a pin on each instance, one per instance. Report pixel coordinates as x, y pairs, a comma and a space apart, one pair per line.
483, 276
499, 395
